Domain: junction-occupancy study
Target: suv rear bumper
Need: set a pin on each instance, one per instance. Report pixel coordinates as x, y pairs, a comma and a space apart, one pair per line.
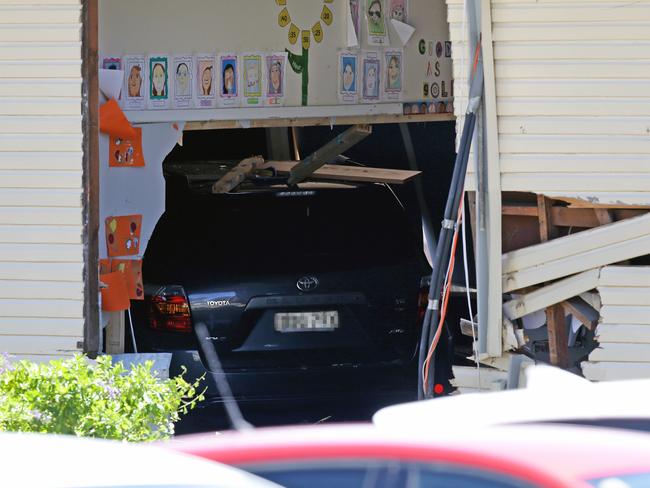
309, 383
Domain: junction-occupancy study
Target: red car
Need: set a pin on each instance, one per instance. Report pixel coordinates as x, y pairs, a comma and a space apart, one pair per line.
500, 457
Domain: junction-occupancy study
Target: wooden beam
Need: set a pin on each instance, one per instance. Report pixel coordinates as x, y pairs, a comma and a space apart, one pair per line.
317, 121
328, 152
574, 217
582, 311
604, 216
351, 173
519, 210
236, 175
546, 229
90, 178
557, 336
551, 294
115, 333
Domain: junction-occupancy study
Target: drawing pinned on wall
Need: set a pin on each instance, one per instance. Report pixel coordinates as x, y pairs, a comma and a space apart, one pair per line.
398, 10
182, 69
252, 79
112, 62
134, 82
123, 235
228, 80
125, 153
348, 85
371, 70
158, 65
377, 28
393, 79
276, 65
205, 81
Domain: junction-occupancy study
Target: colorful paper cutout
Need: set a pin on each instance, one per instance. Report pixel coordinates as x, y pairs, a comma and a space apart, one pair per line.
123, 235
126, 152
132, 269
104, 266
135, 78
112, 121
115, 297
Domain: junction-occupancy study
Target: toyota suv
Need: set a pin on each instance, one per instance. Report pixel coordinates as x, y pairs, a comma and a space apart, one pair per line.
306, 291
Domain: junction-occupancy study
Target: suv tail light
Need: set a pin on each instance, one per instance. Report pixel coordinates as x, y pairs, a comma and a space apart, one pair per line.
169, 310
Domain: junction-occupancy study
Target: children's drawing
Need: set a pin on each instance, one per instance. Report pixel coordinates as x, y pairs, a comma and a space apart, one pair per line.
252, 79
205, 81
182, 70
376, 22
132, 269
228, 80
371, 77
158, 81
275, 65
135, 82
348, 92
398, 10
393, 62
126, 152
123, 235
112, 63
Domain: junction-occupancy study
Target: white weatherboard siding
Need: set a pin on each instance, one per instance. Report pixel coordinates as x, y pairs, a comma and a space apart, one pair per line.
623, 331
573, 96
41, 251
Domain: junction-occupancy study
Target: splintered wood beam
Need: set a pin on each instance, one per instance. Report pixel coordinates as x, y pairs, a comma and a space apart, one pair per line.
582, 311
546, 229
604, 216
341, 143
235, 176
351, 173
557, 336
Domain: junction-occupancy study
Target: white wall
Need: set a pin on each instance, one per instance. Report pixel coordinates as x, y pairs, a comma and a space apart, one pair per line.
194, 26
573, 96
41, 253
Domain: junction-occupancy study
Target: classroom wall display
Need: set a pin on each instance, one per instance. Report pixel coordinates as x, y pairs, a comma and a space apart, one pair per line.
377, 28
135, 82
158, 86
252, 79
371, 76
393, 63
229, 95
111, 62
348, 77
182, 80
313, 33
206, 89
275, 66
398, 10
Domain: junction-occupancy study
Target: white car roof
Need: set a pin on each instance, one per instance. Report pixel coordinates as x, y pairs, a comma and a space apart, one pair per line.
48, 461
551, 395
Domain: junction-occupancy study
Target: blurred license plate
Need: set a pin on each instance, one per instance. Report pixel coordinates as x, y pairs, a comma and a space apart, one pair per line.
306, 321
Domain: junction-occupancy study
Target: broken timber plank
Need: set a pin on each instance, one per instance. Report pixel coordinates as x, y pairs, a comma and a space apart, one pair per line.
582, 311
618, 352
351, 173
571, 254
557, 336
625, 276
236, 175
551, 294
328, 152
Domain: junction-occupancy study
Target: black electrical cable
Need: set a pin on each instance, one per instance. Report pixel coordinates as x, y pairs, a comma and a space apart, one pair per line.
443, 254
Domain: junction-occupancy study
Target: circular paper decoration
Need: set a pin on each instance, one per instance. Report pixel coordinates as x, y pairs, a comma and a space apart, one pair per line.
295, 32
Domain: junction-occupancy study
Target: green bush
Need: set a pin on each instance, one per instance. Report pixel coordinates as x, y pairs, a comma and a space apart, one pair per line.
92, 398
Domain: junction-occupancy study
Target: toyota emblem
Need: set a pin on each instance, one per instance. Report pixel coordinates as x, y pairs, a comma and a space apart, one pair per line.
307, 283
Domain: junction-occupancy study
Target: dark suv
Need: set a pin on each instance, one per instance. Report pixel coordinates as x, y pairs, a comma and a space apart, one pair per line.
305, 292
